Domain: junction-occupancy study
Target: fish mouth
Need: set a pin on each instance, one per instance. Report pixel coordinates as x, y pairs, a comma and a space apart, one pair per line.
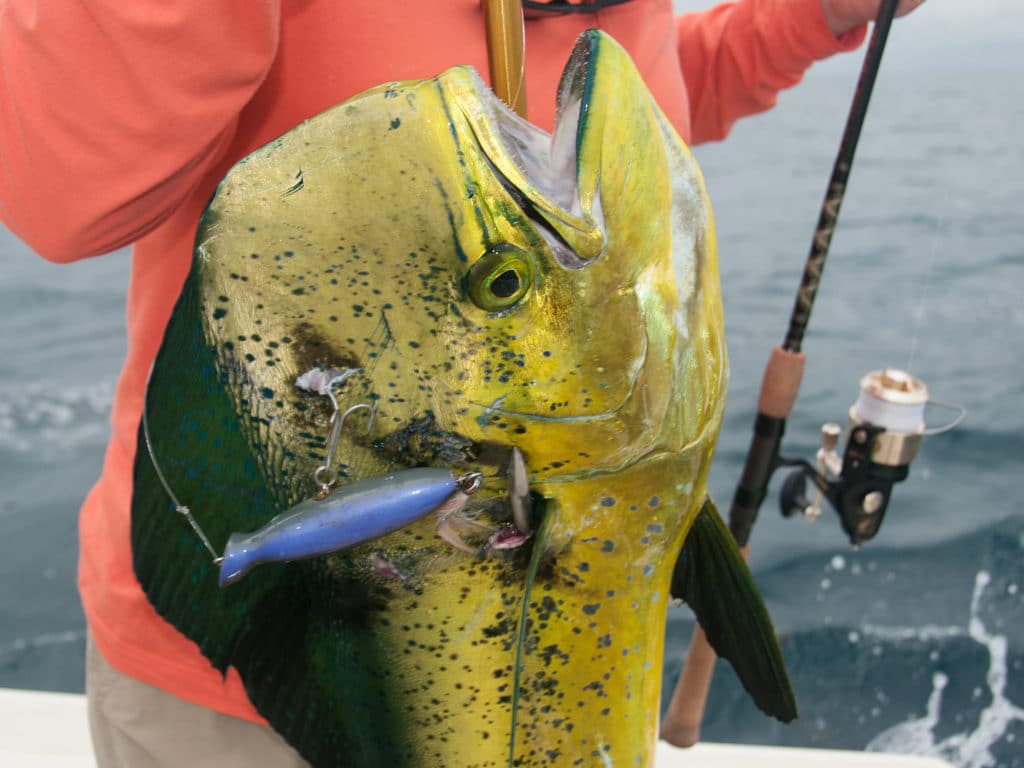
632, 378
541, 170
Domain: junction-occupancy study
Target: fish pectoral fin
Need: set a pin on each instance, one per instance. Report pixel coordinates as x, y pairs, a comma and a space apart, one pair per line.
714, 580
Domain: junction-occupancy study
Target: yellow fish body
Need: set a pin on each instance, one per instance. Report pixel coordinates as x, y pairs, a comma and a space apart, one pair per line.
487, 286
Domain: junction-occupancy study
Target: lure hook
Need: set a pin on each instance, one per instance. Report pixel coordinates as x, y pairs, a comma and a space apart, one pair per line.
326, 475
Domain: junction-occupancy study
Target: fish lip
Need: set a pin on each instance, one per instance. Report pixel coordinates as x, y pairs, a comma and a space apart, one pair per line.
698, 442
540, 170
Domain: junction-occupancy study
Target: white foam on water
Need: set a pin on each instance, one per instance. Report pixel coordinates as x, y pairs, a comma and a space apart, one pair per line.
925, 633
20, 645
971, 748
42, 419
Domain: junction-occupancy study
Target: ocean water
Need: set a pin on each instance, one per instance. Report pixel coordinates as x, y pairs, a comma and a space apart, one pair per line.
914, 642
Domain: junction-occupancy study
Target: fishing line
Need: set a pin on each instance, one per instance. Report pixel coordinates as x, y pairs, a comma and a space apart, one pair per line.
521, 637
918, 318
919, 311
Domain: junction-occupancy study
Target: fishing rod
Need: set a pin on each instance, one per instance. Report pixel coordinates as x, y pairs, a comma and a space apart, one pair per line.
886, 422
506, 41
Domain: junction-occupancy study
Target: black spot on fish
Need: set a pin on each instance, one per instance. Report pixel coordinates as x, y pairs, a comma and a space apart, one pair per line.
395, 123
219, 313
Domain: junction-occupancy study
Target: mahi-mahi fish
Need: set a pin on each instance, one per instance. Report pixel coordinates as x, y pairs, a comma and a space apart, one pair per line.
498, 297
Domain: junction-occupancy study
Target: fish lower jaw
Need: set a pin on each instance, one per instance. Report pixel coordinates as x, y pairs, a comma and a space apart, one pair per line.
682, 465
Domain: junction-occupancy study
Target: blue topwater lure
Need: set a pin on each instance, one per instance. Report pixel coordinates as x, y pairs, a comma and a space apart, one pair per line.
337, 518
347, 516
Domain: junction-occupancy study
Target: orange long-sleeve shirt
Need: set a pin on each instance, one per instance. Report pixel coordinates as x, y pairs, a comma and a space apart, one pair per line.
117, 120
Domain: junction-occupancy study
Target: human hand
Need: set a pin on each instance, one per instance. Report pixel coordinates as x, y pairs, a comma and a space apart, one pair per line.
844, 15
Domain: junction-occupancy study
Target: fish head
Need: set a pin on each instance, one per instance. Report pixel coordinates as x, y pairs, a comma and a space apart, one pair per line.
484, 285
522, 287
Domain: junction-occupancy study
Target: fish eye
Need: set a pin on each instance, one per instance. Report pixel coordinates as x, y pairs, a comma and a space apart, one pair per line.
500, 278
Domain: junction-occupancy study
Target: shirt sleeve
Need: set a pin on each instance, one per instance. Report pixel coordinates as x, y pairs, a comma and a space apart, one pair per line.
112, 110
736, 57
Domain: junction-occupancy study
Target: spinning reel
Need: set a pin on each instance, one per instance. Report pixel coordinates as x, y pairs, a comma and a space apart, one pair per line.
883, 435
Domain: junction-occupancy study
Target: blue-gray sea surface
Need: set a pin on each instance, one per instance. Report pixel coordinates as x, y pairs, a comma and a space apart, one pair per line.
915, 642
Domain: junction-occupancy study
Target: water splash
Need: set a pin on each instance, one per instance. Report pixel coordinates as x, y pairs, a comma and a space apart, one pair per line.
972, 748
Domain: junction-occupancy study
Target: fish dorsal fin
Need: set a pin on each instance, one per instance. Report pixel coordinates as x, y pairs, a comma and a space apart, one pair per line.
713, 579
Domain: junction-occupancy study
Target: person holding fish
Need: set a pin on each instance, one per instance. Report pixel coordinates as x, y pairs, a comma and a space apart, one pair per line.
117, 124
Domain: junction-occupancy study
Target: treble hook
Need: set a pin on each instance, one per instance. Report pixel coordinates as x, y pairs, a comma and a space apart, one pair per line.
325, 475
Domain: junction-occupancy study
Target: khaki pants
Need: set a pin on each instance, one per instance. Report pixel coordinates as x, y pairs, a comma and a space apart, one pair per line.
135, 725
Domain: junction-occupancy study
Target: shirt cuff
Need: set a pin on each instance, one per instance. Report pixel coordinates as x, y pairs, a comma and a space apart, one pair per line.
813, 35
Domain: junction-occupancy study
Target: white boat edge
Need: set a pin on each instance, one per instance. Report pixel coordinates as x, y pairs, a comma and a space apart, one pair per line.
39, 729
